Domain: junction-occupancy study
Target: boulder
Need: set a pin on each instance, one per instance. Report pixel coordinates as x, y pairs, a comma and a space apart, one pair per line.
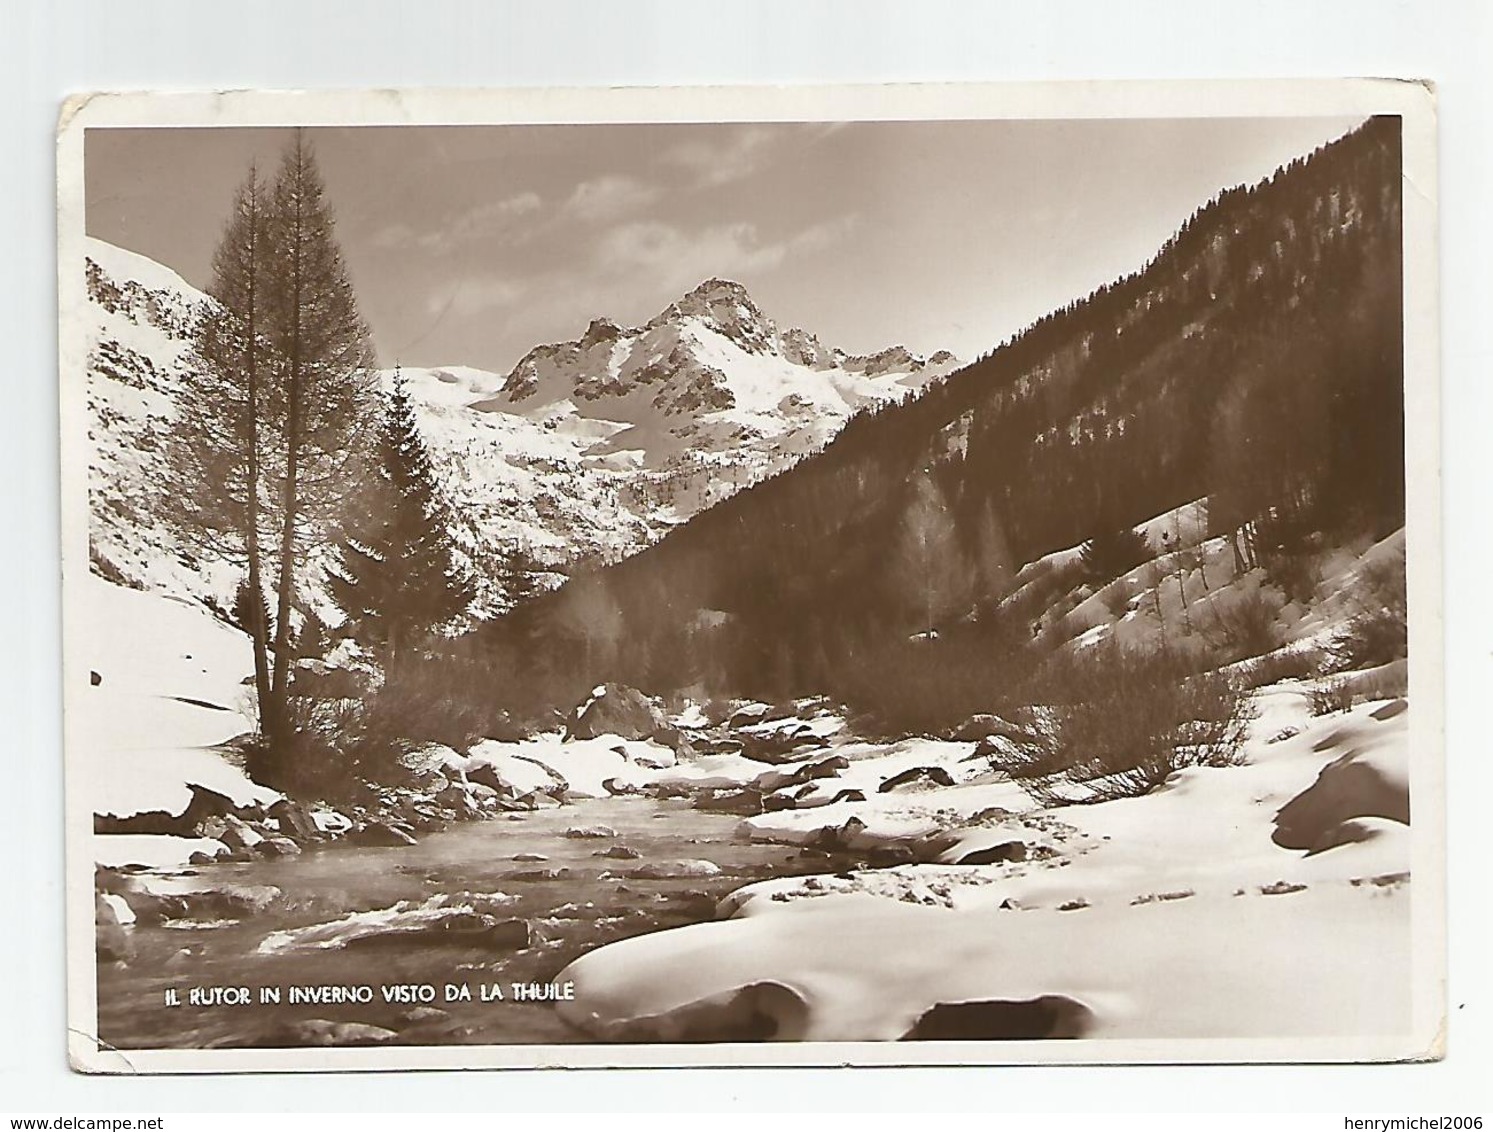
535, 875
294, 821
456, 798
746, 802
931, 774
616, 709
330, 822
826, 768
124, 915
837, 840
1359, 784
238, 835
803, 801
213, 828
322, 1032
771, 780
420, 1015
995, 854
277, 847
461, 929
484, 774
587, 832
718, 745
671, 870
618, 853
789, 743
748, 715
888, 856
670, 736
380, 834
112, 943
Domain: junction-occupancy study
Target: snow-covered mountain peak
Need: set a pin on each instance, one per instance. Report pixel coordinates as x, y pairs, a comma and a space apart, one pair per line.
586, 450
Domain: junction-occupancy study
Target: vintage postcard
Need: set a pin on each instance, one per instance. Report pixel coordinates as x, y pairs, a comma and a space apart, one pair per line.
882, 575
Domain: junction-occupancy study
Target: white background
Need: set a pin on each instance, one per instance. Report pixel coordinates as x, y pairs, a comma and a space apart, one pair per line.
50, 49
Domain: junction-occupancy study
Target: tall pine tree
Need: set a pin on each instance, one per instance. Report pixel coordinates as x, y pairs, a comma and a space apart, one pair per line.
225, 431
323, 390
398, 577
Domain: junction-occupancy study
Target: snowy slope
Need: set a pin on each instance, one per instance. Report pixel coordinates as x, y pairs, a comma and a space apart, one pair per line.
139, 327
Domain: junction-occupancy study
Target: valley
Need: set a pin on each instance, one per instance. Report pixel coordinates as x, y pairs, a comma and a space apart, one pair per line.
794, 694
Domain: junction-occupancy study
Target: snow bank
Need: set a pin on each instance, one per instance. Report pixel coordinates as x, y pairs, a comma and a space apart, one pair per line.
158, 852
1170, 915
583, 765
912, 810
169, 684
860, 968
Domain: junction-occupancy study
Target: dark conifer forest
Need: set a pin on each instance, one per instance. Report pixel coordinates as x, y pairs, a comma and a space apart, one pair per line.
1255, 361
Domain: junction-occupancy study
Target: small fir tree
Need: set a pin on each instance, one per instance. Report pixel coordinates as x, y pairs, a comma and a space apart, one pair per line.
1111, 553
397, 577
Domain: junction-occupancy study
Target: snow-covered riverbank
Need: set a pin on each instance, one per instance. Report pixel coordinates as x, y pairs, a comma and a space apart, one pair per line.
923, 893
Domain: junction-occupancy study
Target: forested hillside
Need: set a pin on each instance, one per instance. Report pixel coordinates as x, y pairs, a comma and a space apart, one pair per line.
1254, 362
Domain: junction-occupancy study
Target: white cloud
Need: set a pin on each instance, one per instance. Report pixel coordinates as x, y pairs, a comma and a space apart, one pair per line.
482, 222
492, 218
474, 294
740, 153
628, 262
609, 197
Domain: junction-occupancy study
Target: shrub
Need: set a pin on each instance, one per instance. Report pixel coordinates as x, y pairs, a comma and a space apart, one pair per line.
1116, 599
1130, 719
924, 687
1377, 633
1296, 574
1242, 627
1289, 663
1331, 696
104, 567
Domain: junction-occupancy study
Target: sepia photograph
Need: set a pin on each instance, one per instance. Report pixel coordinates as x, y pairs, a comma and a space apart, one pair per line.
838, 575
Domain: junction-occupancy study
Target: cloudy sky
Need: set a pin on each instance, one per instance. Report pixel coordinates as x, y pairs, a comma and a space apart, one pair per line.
470, 244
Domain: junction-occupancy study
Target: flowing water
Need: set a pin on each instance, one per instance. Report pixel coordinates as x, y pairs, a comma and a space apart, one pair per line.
591, 902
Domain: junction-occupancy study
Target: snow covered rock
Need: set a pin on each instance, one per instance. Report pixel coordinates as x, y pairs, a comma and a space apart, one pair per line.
1370, 780
112, 944
380, 834
616, 709
323, 1032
